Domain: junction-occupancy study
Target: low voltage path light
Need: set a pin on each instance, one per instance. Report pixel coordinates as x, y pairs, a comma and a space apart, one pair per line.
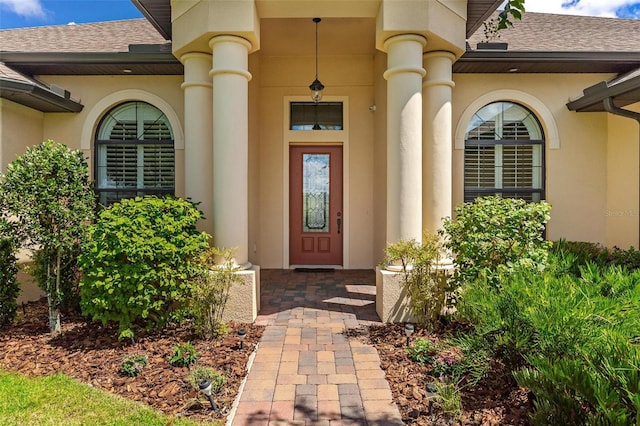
408, 330
205, 388
242, 333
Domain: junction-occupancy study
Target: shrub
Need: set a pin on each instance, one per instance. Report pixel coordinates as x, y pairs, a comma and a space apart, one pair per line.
9, 286
570, 256
132, 365
140, 260
596, 388
184, 354
494, 234
48, 190
211, 291
629, 258
425, 283
198, 374
572, 340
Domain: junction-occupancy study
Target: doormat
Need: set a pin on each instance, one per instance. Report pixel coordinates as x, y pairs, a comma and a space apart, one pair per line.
313, 270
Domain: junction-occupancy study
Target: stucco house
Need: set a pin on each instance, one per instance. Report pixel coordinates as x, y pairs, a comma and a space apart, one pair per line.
210, 99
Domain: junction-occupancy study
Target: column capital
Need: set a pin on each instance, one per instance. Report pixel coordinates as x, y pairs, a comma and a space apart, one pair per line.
439, 54
230, 38
439, 65
195, 55
403, 52
404, 37
230, 56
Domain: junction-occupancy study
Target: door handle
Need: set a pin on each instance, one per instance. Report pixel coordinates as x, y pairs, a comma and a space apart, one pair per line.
339, 224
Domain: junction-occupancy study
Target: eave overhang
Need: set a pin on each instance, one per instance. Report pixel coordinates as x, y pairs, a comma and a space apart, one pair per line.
505, 61
606, 95
158, 13
93, 63
478, 11
37, 97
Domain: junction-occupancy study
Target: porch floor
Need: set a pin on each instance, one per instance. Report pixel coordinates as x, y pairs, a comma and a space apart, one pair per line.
306, 370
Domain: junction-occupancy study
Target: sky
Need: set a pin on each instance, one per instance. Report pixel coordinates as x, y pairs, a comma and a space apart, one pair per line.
31, 13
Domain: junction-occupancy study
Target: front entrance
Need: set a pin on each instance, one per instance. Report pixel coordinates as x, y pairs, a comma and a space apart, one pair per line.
315, 205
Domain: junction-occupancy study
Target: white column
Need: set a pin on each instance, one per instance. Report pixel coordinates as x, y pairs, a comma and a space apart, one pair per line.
437, 146
230, 78
404, 136
198, 135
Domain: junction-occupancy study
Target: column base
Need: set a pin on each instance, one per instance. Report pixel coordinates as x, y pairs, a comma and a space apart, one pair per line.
392, 301
243, 304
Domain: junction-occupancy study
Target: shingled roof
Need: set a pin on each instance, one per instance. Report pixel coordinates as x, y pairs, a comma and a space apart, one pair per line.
112, 36
548, 32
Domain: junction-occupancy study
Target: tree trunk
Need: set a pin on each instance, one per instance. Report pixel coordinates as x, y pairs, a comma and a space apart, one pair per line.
54, 312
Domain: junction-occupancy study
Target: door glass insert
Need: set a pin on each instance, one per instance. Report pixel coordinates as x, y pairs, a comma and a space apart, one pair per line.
315, 192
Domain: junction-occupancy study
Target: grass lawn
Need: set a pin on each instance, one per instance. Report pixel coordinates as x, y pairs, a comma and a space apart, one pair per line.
61, 400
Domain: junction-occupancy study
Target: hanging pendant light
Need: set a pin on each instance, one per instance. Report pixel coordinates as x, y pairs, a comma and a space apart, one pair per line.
316, 87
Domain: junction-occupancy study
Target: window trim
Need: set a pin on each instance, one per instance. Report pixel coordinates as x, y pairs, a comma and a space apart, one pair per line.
527, 100
475, 192
97, 143
318, 104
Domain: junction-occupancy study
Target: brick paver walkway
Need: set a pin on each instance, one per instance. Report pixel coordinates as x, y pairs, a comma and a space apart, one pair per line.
306, 370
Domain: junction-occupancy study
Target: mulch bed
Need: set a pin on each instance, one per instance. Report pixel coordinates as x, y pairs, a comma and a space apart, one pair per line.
496, 400
92, 354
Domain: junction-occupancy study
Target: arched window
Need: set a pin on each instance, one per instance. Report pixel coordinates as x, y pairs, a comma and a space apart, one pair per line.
134, 153
504, 153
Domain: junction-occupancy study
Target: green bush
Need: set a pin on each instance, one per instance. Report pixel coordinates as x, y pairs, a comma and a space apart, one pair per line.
140, 260
572, 255
48, 190
425, 284
573, 341
211, 291
495, 234
629, 258
9, 286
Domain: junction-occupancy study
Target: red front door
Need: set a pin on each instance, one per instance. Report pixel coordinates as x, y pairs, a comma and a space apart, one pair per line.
315, 205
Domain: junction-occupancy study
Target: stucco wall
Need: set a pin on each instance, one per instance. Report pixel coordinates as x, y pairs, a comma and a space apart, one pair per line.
347, 77
93, 90
20, 127
622, 211
576, 173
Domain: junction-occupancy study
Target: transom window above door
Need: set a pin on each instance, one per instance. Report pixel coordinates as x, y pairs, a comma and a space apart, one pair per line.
316, 116
504, 153
134, 153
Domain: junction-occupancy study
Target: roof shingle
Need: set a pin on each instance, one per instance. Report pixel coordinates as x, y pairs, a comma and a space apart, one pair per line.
112, 36
568, 33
